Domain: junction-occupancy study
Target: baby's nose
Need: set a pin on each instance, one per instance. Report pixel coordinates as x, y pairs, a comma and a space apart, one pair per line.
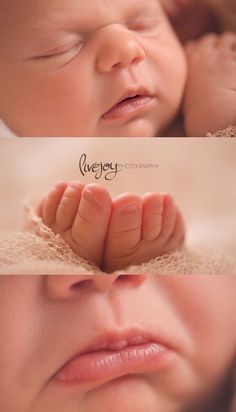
117, 48
66, 287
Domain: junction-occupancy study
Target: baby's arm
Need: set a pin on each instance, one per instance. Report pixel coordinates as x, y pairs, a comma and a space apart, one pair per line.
210, 96
114, 234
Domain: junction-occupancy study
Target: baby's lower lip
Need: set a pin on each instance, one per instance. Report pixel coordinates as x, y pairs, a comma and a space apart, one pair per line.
127, 107
104, 365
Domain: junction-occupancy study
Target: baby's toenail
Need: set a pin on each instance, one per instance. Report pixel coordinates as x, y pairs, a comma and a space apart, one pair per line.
130, 208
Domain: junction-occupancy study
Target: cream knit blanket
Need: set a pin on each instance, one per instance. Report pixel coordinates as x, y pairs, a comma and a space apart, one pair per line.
37, 250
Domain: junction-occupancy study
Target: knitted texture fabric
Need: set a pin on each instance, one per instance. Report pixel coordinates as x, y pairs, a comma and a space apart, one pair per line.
229, 132
37, 250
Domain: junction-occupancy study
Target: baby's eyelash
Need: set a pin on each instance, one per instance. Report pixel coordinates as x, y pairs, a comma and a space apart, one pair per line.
57, 52
142, 24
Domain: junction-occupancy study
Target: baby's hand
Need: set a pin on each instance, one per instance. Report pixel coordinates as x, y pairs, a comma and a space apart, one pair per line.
80, 214
210, 98
112, 235
141, 229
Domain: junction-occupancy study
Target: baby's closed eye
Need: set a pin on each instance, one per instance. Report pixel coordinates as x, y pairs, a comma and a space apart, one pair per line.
64, 53
142, 23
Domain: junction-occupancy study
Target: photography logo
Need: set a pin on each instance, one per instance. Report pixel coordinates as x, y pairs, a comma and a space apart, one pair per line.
109, 170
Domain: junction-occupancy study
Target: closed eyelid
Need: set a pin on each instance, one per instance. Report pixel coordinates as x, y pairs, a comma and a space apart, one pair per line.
143, 20
57, 51
149, 15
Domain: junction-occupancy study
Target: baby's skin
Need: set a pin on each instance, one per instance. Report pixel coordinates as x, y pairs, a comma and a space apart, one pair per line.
129, 65
109, 343
210, 96
112, 234
118, 71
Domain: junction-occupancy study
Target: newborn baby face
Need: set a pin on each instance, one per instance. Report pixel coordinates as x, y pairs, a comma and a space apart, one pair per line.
79, 68
86, 343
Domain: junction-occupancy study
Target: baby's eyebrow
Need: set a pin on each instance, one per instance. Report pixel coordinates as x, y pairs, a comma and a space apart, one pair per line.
52, 22
76, 21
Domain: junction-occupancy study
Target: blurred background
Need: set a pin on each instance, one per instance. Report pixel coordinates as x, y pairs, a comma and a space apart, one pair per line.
199, 173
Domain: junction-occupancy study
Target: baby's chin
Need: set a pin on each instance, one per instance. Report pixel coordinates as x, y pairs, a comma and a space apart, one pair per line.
127, 131
129, 394
141, 127
135, 128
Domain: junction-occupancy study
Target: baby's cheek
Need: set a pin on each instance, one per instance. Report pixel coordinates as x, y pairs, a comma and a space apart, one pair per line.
69, 96
212, 324
171, 71
54, 104
206, 305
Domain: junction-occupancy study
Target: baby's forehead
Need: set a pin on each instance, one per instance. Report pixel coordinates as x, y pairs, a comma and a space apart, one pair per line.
20, 16
21, 8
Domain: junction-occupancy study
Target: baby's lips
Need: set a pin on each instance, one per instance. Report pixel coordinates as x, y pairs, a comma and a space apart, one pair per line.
131, 107
105, 365
116, 356
131, 98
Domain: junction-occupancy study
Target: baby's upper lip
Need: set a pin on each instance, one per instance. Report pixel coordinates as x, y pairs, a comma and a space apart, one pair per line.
117, 340
138, 91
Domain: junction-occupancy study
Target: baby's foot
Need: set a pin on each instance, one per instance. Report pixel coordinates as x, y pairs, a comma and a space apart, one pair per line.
141, 229
80, 214
210, 99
